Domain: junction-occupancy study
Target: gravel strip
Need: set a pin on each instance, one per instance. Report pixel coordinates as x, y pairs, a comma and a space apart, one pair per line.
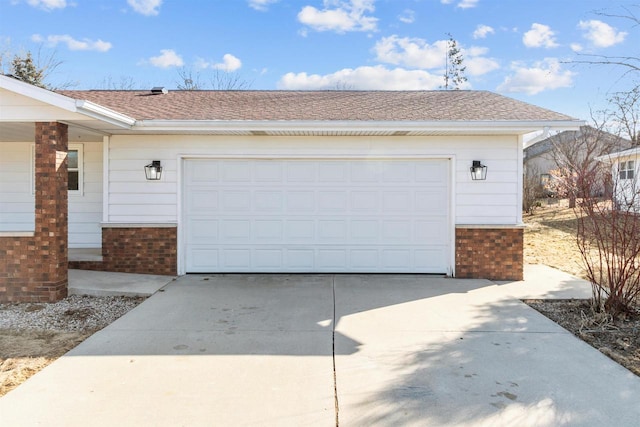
75, 313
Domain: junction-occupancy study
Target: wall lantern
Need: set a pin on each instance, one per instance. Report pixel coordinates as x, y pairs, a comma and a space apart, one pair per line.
153, 171
478, 171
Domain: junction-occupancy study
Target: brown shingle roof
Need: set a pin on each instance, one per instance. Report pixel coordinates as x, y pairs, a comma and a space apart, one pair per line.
318, 105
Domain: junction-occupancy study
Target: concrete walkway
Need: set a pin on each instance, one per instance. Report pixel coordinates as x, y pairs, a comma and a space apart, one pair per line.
101, 283
272, 350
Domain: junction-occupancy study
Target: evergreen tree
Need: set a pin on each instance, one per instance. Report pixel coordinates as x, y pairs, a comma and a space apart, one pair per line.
23, 68
454, 68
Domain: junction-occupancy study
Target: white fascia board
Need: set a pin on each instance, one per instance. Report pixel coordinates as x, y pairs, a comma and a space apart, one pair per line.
104, 114
609, 158
66, 103
517, 127
39, 94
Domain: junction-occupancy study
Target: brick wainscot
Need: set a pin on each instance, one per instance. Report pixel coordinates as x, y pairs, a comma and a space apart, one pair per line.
142, 249
489, 253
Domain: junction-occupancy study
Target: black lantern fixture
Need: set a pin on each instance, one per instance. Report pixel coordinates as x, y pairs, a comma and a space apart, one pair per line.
153, 171
478, 171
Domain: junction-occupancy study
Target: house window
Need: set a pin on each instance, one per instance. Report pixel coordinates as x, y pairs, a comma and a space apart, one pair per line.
75, 168
627, 169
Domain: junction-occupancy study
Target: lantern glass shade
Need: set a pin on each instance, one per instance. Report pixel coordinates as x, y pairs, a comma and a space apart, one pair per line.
478, 171
153, 171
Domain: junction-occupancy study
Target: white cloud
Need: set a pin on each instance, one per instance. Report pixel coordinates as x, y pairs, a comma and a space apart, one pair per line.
477, 66
482, 31
363, 78
408, 16
466, 4
576, 47
411, 52
543, 75
601, 34
146, 7
72, 44
167, 58
261, 5
340, 16
229, 63
539, 35
48, 4
417, 53
462, 4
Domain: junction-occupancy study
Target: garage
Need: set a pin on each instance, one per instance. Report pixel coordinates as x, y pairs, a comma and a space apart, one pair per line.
317, 215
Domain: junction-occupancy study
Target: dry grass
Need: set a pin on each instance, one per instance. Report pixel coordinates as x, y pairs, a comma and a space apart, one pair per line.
550, 238
24, 353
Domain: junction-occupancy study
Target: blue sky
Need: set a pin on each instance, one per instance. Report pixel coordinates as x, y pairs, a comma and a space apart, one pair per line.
519, 48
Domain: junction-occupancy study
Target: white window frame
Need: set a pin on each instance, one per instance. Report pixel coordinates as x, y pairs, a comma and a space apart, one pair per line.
80, 169
626, 169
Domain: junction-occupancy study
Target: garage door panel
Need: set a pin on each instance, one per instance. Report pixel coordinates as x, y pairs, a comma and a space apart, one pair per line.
333, 172
301, 201
202, 200
364, 231
430, 231
300, 259
332, 201
235, 230
202, 172
268, 171
301, 172
332, 231
364, 201
235, 201
396, 201
235, 171
317, 216
202, 231
396, 259
269, 259
365, 172
202, 260
428, 259
268, 201
365, 259
236, 258
430, 172
398, 172
426, 201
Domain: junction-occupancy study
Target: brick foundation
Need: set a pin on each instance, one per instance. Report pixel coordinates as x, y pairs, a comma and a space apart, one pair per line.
489, 253
142, 250
34, 268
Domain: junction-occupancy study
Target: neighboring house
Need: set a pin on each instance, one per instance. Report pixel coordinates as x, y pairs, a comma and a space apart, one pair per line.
625, 173
540, 154
260, 181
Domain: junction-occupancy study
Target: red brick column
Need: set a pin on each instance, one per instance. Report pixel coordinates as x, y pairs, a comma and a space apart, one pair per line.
489, 253
34, 268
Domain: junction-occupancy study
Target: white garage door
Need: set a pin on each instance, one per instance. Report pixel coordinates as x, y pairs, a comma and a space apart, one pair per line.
316, 216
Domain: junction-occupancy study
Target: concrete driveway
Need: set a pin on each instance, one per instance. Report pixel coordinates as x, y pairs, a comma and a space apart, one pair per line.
361, 350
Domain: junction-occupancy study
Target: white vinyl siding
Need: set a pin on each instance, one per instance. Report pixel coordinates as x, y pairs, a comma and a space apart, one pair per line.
17, 201
134, 199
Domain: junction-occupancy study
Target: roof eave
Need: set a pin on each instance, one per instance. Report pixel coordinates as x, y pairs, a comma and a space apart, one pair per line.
503, 127
37, 93
104, 114
609, 158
